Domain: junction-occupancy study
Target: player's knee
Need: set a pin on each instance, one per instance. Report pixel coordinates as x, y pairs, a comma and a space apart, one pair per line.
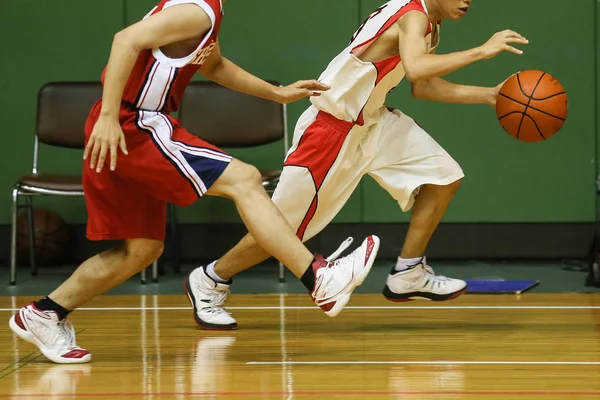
142, 252
248, 180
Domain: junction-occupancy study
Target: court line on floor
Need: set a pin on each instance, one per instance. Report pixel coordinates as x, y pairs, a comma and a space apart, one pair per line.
547, 307
317, 393
425, 363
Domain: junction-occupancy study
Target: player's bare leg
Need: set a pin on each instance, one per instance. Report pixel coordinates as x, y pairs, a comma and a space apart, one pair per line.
430, 206
106, 271
242, 184
411, 277
244, 255
207, 291
44, 323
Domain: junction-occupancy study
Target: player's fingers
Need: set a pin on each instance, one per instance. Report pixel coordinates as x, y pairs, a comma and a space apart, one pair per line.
517, 40
515, 35
102, 156
88, 148
95, 151
513, 50
123, 145
113, 156
316, 85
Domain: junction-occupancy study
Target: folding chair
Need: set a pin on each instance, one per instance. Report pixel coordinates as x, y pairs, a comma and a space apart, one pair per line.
62, 110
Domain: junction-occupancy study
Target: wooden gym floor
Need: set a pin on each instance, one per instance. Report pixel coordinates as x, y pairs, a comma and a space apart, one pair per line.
533, 346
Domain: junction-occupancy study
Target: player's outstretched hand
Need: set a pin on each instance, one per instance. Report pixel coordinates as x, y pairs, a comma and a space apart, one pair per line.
501, 41
300, 90
106, 136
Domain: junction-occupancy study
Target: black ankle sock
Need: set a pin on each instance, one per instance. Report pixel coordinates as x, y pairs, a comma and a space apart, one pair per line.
47, 304
308, 278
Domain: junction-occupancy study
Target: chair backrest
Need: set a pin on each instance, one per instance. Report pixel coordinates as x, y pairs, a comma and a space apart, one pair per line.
227, 118
63, 108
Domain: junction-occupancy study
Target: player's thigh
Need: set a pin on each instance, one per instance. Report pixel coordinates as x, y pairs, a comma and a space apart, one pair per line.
409, 158
318, 177
170, 163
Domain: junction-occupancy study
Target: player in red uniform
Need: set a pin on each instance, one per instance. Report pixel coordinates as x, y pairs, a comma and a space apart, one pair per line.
150, 64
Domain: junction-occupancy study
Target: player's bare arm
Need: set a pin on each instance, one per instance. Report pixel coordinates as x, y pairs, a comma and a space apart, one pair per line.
419, 65
174, 25
439, 89
221, 70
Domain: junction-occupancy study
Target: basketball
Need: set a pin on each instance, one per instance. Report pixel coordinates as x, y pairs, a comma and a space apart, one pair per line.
532, 106
51, 238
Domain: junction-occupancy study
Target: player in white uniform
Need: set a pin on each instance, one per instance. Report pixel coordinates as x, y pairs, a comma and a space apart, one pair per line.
348, 132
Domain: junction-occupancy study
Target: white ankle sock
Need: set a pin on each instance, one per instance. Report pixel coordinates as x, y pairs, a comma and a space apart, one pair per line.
405, 263
210, 271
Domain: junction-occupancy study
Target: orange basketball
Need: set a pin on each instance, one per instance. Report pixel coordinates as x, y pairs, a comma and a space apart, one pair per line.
532, 106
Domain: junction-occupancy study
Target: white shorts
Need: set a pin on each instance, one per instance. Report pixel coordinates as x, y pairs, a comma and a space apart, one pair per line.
329, 157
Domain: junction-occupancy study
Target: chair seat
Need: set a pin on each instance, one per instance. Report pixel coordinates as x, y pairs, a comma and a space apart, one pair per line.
46, 183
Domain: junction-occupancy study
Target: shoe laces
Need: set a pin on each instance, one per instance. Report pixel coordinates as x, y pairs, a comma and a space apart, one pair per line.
67, 335
216, 299
345, 244
429, 270
324, 275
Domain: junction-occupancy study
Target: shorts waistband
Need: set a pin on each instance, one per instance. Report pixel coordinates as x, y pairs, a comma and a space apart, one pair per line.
335, 122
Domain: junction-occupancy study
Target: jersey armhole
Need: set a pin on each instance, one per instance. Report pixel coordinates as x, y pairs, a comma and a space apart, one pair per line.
358, 49
181, 62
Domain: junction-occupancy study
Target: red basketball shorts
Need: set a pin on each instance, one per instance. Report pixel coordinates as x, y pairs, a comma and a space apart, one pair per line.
165, 163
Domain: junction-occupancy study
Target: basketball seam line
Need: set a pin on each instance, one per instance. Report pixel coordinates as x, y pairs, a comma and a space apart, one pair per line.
532, 107
529, 97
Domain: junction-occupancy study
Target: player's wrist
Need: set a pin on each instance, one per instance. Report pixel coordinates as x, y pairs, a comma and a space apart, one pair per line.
478, 53
276, 93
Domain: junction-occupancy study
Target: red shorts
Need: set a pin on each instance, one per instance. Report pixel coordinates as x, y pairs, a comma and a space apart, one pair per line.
166, 163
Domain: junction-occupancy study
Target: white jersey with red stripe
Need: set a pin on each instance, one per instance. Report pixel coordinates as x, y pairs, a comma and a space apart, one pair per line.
157, 82
358, 88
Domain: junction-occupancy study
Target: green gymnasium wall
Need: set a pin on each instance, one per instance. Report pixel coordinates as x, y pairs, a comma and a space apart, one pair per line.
506, 180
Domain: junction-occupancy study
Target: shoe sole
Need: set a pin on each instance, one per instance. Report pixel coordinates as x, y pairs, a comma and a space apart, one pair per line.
31, 338
197, 320
358, 280
399, 298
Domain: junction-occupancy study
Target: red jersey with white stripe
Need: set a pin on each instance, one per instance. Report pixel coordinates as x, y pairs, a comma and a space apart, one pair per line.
358, 88
157, 82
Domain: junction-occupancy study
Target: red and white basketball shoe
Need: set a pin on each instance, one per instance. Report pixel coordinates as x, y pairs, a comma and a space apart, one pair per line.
336, 279
54, 338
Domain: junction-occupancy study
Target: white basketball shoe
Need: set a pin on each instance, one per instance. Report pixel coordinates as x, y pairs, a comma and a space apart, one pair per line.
419, 281
54, 338
336, 279
208, 298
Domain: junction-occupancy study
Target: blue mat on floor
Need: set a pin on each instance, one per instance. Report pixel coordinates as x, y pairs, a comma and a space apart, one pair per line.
499, 287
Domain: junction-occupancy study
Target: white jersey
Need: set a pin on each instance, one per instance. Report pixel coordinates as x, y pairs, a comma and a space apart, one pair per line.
359, 89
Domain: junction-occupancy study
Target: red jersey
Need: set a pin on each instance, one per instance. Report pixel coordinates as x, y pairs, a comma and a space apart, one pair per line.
157, 82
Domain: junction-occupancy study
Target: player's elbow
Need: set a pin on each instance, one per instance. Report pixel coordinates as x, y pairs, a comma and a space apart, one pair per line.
417, 89
127, 39
412, 73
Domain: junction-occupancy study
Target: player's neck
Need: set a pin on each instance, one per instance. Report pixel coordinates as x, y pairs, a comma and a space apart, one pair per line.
433, 10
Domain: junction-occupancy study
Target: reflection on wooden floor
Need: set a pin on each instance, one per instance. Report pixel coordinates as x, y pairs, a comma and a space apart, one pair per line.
477, 347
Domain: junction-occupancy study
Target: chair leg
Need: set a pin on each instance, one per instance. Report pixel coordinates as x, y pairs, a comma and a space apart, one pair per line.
155, 271
143, 276
29, 205
281, 272
176, 248
13, 238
